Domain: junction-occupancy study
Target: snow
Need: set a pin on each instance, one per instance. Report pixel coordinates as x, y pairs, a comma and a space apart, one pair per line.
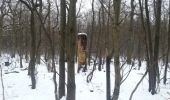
18, 85
82, 34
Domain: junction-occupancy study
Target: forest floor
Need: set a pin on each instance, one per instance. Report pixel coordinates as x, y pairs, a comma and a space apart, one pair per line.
17, 84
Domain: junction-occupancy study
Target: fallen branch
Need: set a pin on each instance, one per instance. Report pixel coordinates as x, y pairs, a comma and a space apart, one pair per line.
11, 72
138, 85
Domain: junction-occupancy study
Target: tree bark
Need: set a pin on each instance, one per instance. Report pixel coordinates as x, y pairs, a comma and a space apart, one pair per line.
153, 52
150, 47
116, 33
92, 32
31, 69
32, 52
156, 45
62, 49
168, 50
131, 33
108, 60
20, 37
108, 57
71, 86
99, 50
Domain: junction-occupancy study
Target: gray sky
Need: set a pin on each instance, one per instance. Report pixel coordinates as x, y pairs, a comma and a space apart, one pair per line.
85, 5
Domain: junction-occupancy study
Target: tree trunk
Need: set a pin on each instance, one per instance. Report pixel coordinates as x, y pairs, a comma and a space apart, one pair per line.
52, 49
62, 49
99, 50
54, 70
31, 68
100, 58
33, 50
139, 53
38, 51
71, 86
92, 32
156, 45
153, 52
130, 43
168, 50
26, 48
108, 59
150, 48
20, 37
21, 66
116, 33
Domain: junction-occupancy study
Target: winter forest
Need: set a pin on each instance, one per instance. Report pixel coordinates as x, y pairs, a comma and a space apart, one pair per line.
84, 50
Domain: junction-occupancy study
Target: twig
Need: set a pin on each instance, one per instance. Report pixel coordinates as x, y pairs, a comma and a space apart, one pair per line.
127, 74
2, 83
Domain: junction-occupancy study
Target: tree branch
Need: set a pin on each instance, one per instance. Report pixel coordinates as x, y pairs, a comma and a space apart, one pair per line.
26, 4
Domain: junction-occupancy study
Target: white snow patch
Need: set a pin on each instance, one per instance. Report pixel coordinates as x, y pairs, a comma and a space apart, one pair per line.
18, 85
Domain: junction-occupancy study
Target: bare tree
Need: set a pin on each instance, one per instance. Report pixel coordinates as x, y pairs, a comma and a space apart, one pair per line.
131, 33
157, 41
20, 36
108, 58
3, 13
62, 48
116, 37
149, 41
71, 86
39, 34
32, 7
92, 32
152, 53
51, 44
168, 50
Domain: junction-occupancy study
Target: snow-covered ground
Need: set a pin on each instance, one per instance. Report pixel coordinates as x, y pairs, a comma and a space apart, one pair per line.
18, 85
